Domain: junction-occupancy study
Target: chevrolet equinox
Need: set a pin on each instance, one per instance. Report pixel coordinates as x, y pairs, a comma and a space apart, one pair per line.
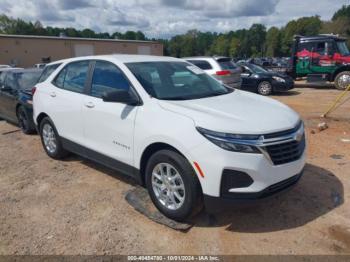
190, 139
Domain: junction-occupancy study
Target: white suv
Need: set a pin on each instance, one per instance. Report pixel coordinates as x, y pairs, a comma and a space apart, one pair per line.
183, 134
220, 67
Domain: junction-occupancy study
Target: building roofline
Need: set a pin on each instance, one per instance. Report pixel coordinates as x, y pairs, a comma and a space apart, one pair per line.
75, 38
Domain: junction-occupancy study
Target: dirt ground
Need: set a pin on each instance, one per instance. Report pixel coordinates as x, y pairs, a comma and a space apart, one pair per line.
78, 207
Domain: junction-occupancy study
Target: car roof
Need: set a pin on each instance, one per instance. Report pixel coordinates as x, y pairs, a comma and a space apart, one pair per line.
9, 69
28, 70
206, 57
121, 58
320, 38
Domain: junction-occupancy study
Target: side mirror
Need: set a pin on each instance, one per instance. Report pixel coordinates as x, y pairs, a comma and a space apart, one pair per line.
120, 96
245, 72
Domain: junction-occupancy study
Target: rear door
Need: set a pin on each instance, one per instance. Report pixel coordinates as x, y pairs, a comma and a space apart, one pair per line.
66, 95
109, 127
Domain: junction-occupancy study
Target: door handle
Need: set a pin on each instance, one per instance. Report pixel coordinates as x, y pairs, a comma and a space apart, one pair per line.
53, 94
90, 105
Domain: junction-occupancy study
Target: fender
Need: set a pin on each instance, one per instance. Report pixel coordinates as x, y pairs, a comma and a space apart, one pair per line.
340, 69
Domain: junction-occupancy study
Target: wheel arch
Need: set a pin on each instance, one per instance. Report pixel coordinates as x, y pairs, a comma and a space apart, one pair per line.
39, 118
17, 106
152, 149
339, 70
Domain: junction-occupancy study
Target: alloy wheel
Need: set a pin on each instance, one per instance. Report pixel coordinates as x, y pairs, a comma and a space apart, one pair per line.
265, 88
49, 138
168, 186
344, 81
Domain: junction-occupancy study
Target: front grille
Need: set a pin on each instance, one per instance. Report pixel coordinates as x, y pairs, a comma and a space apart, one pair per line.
286, 152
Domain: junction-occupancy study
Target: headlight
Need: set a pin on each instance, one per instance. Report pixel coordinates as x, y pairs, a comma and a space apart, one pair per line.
231, 142
279, 79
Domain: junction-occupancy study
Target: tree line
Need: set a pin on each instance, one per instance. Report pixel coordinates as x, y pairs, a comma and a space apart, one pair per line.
257, 41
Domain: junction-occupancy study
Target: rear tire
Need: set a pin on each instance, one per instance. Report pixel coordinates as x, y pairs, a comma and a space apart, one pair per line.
342, 80
265, 88
50, 140
175, 189
24, 121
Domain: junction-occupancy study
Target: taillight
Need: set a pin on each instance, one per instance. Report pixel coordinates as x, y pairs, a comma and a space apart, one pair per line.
223, 73
33, 90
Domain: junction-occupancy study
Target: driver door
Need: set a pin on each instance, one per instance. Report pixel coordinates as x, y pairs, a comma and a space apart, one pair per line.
109, 127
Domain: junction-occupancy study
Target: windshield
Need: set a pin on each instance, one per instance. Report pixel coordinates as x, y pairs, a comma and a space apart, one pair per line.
257, 69
176, 80
343, 49
27, 80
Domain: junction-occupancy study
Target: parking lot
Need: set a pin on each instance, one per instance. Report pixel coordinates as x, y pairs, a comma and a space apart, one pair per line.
78, 207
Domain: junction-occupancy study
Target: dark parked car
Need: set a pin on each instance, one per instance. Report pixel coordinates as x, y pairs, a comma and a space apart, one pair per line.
16, 97
257, 79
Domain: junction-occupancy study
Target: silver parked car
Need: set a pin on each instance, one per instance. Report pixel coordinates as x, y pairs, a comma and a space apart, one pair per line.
222, 68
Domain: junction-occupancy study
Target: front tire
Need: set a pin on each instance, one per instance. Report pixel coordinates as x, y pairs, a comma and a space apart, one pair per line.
50, 140
173, 185
342, 80
265, 88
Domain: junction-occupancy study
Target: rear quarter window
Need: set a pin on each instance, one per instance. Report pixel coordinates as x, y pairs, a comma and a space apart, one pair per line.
202, 64
73, 77
48, 70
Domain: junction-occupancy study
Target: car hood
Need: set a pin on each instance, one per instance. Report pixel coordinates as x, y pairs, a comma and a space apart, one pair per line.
239, 112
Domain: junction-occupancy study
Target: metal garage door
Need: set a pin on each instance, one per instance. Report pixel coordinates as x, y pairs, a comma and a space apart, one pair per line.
83, 50
144, 50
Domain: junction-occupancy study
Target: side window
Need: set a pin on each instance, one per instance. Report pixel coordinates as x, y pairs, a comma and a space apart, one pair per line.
305, 46
73, 77
330, 48
59, 80
321, 48
48, 70
2, 78
11, 81
202, 64
106, 78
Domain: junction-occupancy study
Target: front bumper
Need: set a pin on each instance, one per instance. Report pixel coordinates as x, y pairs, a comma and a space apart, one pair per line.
216, 204
280, 87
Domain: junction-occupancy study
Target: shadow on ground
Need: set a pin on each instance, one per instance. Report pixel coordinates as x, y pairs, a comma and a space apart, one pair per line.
288, 93
315, 85
317, 193
101, 168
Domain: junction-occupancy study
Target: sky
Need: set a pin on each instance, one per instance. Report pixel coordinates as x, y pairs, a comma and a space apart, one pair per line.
166, 18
